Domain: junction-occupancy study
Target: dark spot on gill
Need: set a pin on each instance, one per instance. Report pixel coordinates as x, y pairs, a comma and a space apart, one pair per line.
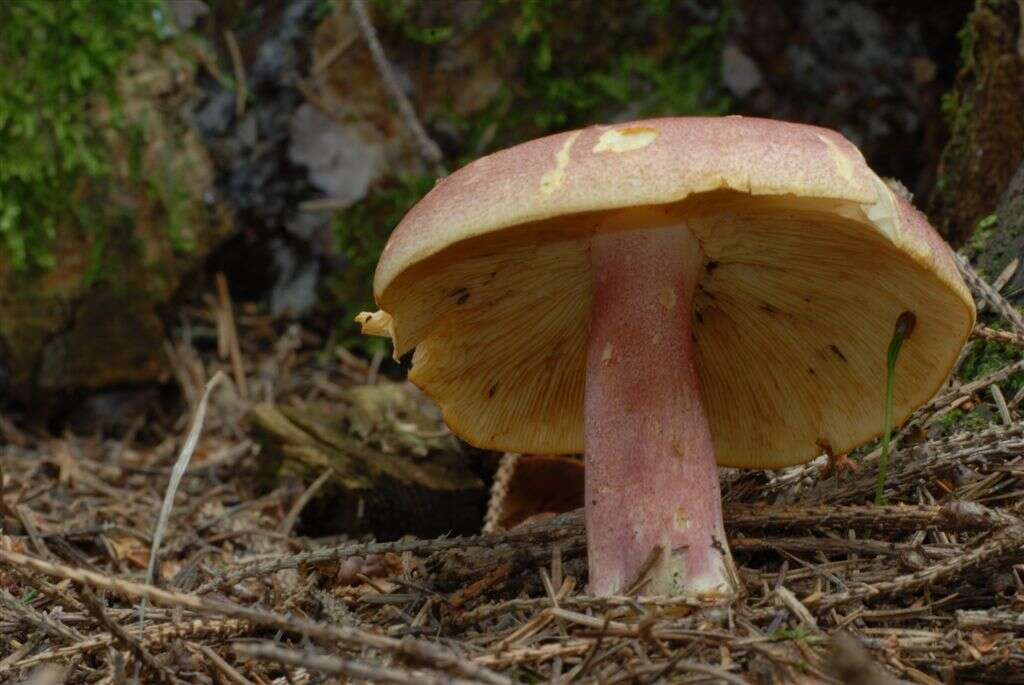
491, 390
463, 298
705, 292
837, 352
711, 266
811, 371
905, 324
699, 317
769, 308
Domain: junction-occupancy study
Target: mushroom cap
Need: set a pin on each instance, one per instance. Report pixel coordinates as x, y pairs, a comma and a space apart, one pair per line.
810, 259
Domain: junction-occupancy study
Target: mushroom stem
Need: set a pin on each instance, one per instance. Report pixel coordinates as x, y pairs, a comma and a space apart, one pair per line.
653, 503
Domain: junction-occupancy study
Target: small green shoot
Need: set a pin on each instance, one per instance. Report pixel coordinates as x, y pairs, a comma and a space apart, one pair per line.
784, 634
904, 328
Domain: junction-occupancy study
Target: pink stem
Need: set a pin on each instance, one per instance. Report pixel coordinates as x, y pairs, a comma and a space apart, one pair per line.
651, 478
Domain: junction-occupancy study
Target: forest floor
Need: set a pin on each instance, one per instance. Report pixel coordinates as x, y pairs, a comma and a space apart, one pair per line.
927, 589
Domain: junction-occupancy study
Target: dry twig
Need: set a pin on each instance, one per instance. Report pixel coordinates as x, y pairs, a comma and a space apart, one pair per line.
427, 147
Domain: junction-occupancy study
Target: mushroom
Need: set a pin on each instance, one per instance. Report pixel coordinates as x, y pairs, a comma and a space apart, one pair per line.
530, 488
668, 296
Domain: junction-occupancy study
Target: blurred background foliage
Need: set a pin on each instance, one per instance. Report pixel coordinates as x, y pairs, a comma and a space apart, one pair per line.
148, 145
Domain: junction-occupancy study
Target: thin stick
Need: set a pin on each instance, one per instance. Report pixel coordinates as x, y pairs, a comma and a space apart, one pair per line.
231, 334
992, 335
499, 491
180, 466
1004, 409
990, 620
986, 292
241, 89
293, 514
335, 666
427, 147
229, 671
49, 624
94, 607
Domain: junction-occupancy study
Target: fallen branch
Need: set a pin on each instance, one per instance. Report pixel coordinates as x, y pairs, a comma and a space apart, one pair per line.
1007, 539
153, 636
985, 292
333, 665
416, 649
990, 620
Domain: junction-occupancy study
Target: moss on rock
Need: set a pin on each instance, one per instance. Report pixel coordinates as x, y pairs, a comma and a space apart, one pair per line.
57, 60
985, 113
112, 238
999, 237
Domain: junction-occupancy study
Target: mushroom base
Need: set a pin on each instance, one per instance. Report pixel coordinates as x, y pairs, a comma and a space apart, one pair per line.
653, 504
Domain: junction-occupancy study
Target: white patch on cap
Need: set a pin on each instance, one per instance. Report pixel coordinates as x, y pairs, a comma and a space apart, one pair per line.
625, 139
606, 354
883, 212
681, 520
553, 179
842, 162
667, 298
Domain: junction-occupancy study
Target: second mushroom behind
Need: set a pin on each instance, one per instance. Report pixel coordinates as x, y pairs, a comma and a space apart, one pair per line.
669, 296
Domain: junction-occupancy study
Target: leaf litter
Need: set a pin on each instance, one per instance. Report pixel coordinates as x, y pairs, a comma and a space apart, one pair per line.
926, 589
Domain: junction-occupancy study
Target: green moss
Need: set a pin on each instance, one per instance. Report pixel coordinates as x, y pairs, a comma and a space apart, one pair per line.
958, 420
956, 113
397, 13
981, 235
956, 109
966, 37
56, 57
987, 357
786, 634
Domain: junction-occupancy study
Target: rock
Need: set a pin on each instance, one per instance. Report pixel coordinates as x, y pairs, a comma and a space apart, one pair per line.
999, 238
986, 116
281, 153
92, 320
343, 159
294, 292
739, 73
